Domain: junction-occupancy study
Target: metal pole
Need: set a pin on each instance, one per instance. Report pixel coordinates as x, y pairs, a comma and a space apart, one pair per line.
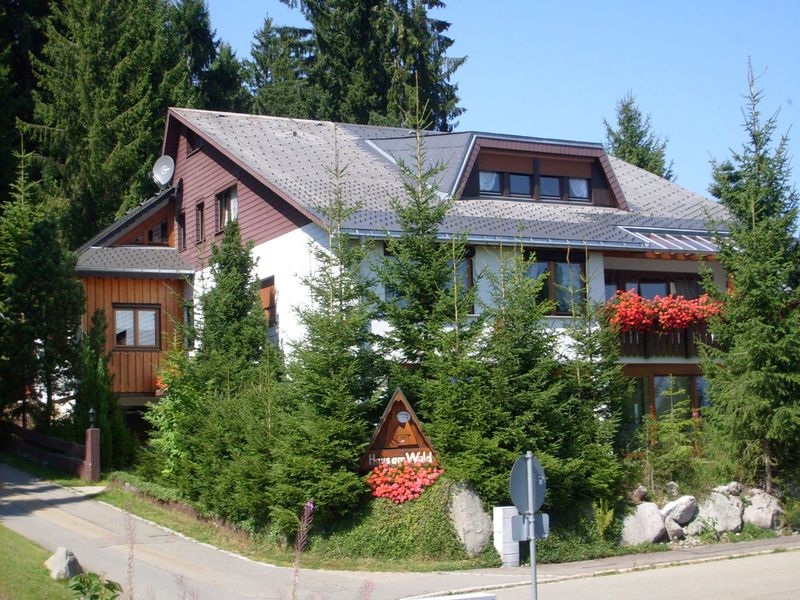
531, 525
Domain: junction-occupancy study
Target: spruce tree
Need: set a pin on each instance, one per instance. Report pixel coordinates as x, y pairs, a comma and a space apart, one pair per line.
278, 72
634, 141
333, 375
425, 302
754, 370
42, 302
107, 75
361, 62
93, 390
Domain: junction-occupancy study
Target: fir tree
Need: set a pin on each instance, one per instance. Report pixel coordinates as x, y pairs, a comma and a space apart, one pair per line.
333, 376
754, 373
223, 87
634, 141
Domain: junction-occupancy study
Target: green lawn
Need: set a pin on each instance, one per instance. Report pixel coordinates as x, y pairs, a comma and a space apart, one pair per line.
23, 575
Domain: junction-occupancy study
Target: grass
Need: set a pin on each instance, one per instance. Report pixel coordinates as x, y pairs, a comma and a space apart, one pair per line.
23, 575
322, 553
49, 473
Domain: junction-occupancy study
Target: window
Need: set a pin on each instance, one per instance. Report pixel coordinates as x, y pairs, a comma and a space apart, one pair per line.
463, 277
651, 284
519, 185
136, 326
578, 189
200, 224
550, 187
490, 182
180, 222
227, 208
158, 234
564, 284
268, 300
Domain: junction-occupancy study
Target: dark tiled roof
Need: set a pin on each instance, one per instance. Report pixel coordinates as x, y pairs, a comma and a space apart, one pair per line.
295, 157
142, 261
124, 223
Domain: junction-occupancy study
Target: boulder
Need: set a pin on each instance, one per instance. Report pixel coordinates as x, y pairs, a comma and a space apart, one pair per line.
681, 510
764, 511
63, 564
639, 494
674, 530
472, 524
734, 488
645, 525
720, 512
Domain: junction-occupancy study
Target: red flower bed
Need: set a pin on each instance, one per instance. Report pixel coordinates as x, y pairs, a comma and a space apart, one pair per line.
631, 312
400, 483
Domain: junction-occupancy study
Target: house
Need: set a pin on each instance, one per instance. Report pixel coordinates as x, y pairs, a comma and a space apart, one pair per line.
584, 213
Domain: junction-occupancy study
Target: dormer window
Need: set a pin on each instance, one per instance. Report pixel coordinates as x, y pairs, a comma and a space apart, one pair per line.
490, 182
578, 188
519, 185
550, 187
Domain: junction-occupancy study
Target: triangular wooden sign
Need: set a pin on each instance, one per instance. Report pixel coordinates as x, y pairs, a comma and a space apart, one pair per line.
399, 438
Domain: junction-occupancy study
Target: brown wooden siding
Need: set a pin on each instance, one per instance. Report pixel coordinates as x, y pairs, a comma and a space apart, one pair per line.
165, 213
135, 371
206, 172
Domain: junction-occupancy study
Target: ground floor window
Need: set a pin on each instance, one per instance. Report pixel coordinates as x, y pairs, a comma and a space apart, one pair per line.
656, 395
136, 326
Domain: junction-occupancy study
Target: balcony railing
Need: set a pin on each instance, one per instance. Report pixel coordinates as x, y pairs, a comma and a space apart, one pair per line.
680, 343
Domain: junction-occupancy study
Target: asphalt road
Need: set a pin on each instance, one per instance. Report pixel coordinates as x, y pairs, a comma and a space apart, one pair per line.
763, 577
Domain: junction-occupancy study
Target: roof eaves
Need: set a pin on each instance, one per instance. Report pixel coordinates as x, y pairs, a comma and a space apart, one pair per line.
616, 188
500, 239
458, 186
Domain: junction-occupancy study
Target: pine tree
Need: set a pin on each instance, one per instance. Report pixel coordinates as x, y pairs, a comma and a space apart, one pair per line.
754, 373
634, 141
108, 73
333, 376
223, 87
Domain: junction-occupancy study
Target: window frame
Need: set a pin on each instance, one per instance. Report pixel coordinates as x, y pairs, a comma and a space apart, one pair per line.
136, 309
551, 259
180, 227
272, 309
620, 278
227, 207
200, 223
500, 177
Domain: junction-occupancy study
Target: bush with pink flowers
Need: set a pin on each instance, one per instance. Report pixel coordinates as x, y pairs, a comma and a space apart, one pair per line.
400, 483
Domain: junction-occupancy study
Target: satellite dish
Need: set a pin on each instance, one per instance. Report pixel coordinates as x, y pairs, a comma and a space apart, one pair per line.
163, 171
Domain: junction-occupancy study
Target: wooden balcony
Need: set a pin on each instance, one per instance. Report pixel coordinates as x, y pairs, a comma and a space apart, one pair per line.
680, 344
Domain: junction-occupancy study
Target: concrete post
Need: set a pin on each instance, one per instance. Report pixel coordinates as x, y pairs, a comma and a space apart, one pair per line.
504, 543
91, 460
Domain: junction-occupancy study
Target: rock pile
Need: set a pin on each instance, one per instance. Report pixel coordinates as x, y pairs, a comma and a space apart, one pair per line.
726, 509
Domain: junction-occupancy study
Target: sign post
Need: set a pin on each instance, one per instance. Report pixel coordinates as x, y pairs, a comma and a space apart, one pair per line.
528, 487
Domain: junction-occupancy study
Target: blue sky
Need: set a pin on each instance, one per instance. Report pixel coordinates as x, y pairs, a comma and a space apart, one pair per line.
556, 69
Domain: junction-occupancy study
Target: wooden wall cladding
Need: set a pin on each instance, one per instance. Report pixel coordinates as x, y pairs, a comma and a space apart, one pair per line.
135, 370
